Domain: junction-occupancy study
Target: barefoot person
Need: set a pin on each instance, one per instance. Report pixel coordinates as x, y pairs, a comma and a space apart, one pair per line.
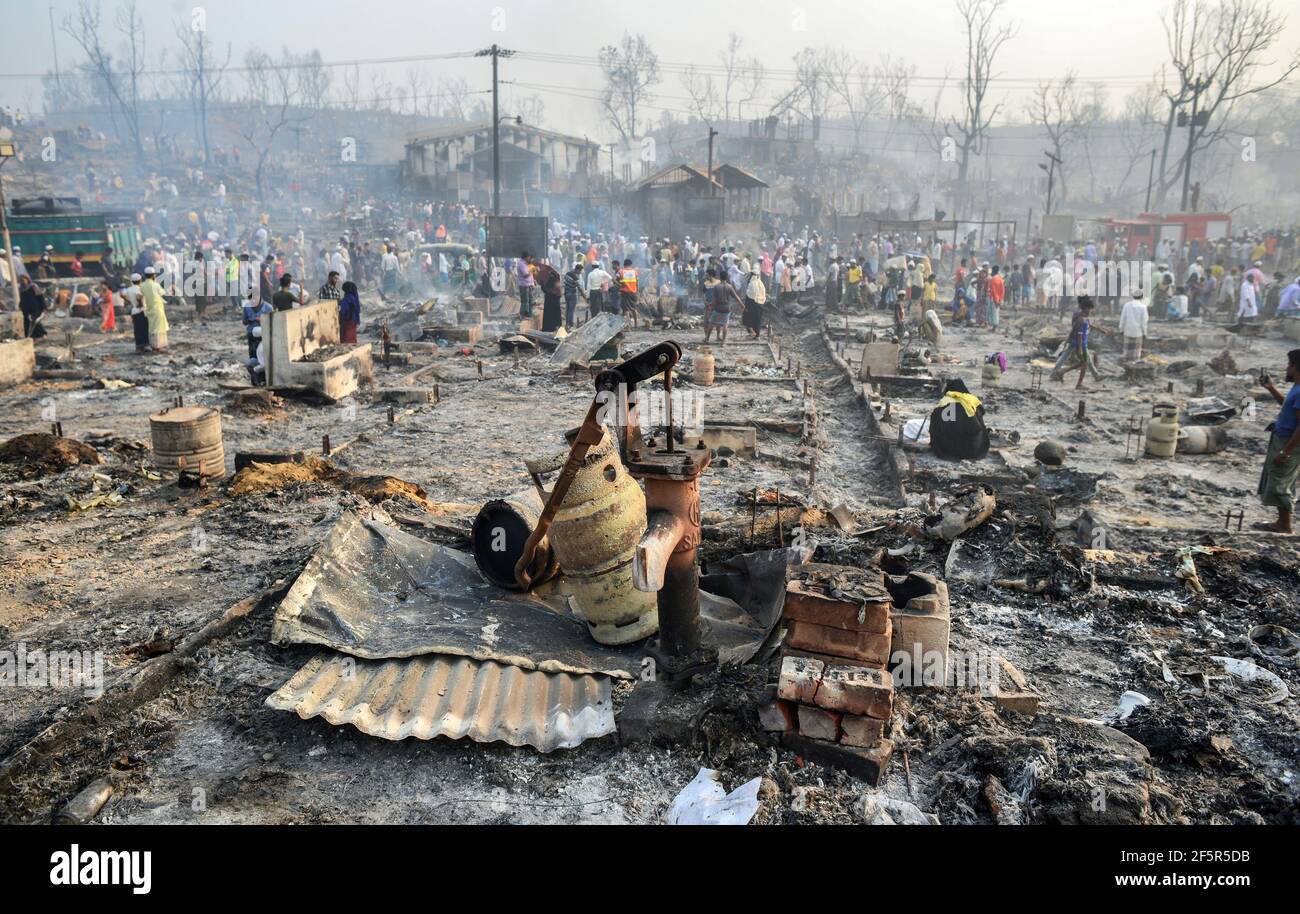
1282, 462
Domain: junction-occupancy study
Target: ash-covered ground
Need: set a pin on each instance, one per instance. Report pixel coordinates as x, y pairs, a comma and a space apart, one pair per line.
1084, 626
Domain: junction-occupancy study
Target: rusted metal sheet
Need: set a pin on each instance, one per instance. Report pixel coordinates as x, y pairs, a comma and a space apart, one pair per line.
441, 695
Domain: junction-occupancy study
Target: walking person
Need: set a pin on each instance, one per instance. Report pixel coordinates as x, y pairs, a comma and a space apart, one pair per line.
755, 299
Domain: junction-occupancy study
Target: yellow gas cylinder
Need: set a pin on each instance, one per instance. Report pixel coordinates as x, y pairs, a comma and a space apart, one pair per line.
704, 365
594, 537
991, 374
1162, 430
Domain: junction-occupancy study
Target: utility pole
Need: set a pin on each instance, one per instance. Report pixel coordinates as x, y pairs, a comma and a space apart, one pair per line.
1198, 86
54, 50
7, 152
712, 134
611, 186
1051, 179
496, 52
1151, 177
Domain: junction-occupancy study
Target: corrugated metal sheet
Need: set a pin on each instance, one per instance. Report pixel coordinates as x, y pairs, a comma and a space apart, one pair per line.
440, 695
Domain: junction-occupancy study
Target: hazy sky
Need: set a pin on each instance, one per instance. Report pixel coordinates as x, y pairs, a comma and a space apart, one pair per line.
1120, 42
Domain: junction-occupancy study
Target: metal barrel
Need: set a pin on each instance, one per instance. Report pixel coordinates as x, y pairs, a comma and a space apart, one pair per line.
498, 535
188, 438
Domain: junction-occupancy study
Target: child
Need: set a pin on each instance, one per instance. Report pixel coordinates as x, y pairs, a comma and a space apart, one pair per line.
140, 326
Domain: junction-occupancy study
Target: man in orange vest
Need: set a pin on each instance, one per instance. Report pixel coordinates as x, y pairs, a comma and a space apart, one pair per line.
627, 290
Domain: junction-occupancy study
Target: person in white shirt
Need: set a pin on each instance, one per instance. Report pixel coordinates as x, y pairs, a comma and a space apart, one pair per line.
1133, 325
1248, 305
598, 281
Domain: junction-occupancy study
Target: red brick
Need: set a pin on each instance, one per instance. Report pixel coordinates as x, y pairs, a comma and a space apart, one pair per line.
872, 647
777, 716
856, 690
808, 606
799, 678
861, 731
828, 659
816, 723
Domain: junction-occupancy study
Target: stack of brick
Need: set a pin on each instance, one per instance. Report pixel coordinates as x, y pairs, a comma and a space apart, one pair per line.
834, 696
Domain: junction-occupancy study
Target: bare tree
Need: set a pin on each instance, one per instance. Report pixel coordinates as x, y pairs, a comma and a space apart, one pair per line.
271, 96
455, 99
1139, 129
812, 86
121, 82
416, 83
1217, 56
702, 92
313, 79
202, 69
351, 95
631, 69
853, 82
738, 79
893, 76
750, 85
381, 92
984, 38
1056, 107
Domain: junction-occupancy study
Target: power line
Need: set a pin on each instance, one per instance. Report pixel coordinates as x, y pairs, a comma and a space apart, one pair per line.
301, 65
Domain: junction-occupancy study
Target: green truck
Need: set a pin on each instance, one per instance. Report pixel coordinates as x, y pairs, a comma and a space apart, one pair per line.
60, 222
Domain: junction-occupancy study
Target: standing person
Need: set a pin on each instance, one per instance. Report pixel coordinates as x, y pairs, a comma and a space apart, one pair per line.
853, 283
232, 279
833, 289
627, 290
552, 286
1282, 462
526, 281
285, 299
572, 289
996, 292
390, 267
1248, 304
724, 298
349, 313
31, 302
755, 298
598, 280
108, 319
140, 320
331, 290
155, 310
1133, 320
